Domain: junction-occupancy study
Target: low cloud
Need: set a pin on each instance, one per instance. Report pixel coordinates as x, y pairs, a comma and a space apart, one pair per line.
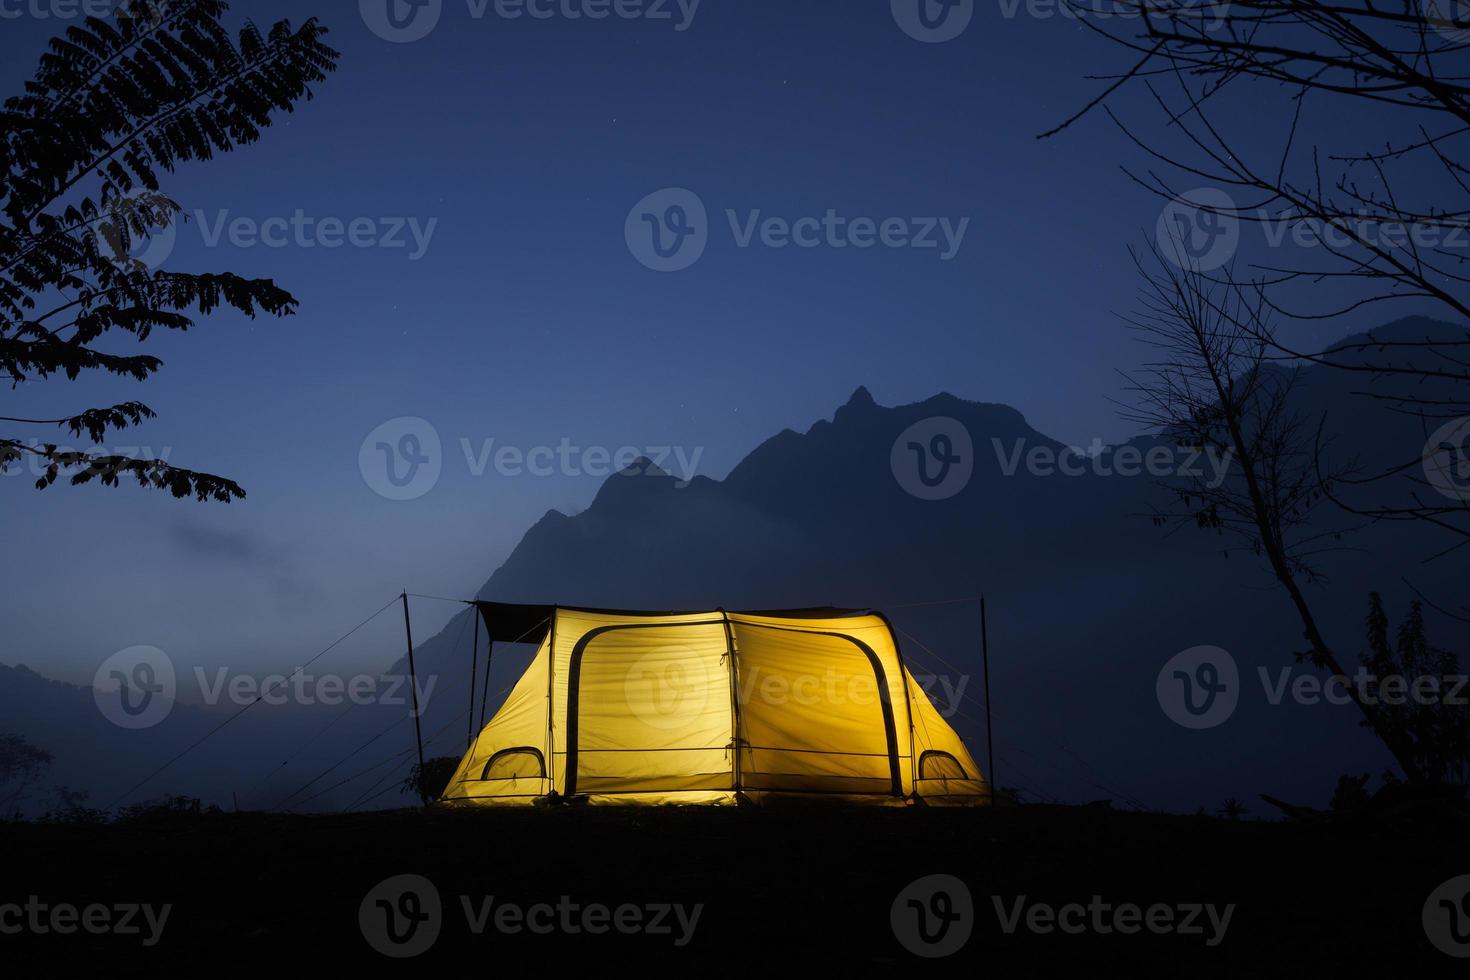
250, 551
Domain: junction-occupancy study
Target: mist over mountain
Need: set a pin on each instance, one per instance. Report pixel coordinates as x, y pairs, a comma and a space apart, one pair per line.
1087, 600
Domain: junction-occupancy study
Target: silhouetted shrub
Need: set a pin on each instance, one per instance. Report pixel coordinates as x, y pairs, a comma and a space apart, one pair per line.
166, 808
430, 781
69, 806
1351, 793
1436, 727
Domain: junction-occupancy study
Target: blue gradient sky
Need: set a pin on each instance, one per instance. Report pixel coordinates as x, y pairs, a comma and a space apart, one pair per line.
528, 320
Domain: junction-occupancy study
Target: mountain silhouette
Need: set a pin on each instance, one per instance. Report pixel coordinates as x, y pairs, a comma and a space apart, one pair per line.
1087, 600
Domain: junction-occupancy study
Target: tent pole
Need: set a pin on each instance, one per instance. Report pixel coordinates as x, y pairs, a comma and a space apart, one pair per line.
489, 652
551, 702
989, 736
908, 700
474, 662
734, 703
413, 687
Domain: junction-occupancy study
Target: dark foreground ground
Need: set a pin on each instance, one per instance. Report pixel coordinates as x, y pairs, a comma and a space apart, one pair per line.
780, 892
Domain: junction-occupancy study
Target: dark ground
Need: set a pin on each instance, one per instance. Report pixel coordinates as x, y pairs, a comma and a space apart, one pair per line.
255, 892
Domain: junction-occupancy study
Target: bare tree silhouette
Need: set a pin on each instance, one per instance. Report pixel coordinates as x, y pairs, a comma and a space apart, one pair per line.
1214, 386
1384, 232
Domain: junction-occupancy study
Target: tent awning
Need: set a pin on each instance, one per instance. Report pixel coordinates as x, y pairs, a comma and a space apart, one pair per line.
515, 622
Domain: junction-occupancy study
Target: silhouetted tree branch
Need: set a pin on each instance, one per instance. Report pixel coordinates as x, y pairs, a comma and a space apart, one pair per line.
113, 103
1382, 231
1215, 387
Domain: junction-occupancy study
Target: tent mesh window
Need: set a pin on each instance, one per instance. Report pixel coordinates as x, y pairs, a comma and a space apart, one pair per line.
522, 762
940, 765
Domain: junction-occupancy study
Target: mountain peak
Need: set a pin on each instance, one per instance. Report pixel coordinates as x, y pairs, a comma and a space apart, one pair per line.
624, 488
642, 466
861, 401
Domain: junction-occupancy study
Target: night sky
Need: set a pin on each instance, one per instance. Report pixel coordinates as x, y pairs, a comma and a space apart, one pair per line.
517, 148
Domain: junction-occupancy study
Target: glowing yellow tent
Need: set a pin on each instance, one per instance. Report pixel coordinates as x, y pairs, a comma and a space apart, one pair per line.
711, 707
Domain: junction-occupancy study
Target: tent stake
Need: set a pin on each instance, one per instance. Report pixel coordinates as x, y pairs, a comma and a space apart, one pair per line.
413, 687
989, 736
